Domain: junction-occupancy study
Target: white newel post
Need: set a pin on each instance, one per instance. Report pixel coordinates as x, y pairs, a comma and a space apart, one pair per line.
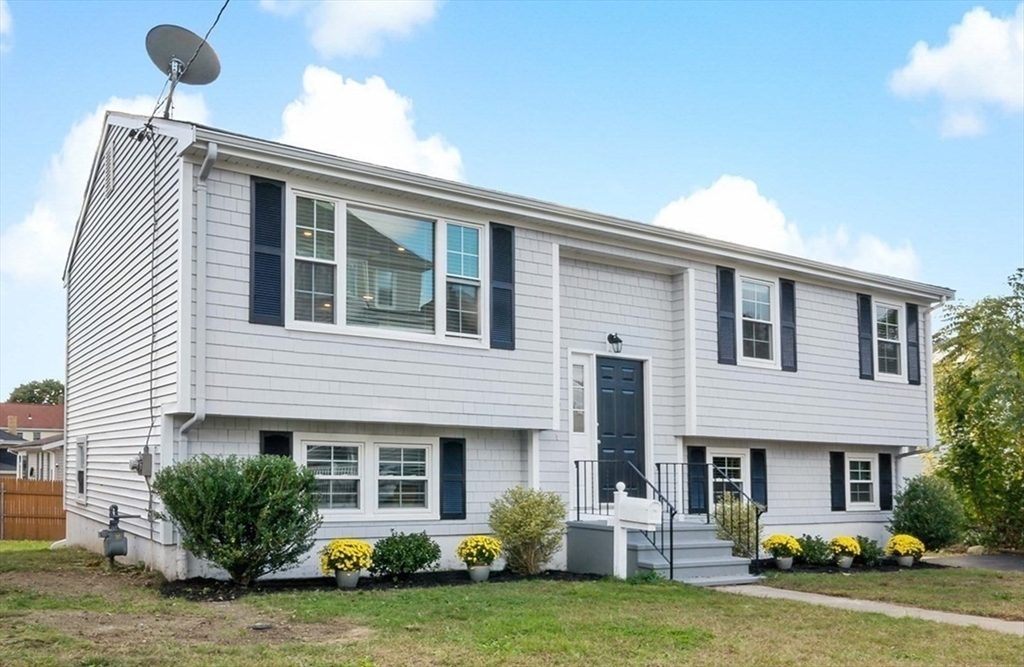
636, 513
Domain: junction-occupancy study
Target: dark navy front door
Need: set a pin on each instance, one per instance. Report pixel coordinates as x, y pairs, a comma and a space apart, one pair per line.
620, 428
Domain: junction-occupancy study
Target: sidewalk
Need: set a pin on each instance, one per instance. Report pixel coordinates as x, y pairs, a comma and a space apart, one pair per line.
894, 610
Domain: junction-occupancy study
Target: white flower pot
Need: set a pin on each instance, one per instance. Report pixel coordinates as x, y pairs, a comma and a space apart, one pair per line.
346, 579
784, 562
478, 573
905, 561
844, 562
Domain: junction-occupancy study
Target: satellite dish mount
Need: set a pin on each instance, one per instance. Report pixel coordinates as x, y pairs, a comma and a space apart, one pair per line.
183, 56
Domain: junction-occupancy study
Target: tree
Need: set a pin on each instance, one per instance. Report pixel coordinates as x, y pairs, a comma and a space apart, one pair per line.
979, 408
45, 392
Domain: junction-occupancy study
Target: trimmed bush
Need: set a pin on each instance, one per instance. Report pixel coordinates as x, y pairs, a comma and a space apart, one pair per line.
400, 555
870, 552
736, 521
250, 516
530, 525
814, 550
928, 509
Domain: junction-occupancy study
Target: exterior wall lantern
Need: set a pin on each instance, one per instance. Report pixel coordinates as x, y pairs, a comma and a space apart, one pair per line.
615, 342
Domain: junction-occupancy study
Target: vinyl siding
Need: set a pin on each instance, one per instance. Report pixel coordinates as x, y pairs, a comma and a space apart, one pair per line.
122, 327
825, 400
495, 461
255, 370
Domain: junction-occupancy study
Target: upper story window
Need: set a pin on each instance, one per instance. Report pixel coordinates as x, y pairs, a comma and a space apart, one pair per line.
315, 265
888, 339
757, 322
463, 280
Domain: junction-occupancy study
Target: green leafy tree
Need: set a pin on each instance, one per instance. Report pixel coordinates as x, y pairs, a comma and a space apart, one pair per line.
979, 407
251, 516
45, 392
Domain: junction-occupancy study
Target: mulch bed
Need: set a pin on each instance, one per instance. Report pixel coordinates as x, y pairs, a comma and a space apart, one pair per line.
885, 565
215, 590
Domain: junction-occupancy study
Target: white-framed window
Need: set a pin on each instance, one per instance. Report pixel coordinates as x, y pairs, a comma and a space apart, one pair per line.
890, 348
730, 473
80, 468
393, 268
757, 324
365, 477
861, 482
579, 398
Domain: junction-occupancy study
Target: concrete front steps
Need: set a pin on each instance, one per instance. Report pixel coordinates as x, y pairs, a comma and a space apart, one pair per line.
701, 559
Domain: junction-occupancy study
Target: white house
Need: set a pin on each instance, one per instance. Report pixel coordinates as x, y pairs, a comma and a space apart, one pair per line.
424, 345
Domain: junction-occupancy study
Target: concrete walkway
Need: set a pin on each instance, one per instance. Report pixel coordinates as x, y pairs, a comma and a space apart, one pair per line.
998, 562
894, 610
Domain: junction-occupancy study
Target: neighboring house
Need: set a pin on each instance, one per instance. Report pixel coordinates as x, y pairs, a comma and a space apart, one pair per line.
9, 459
32, 421
423, 345
41, 459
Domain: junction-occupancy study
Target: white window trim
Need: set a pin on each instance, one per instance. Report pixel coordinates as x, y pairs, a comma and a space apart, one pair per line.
773, 284
901, 327
439, 334
744, 457
873, 506
368, 475
81, 457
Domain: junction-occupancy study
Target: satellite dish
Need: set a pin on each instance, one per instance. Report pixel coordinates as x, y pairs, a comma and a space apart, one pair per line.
183, 56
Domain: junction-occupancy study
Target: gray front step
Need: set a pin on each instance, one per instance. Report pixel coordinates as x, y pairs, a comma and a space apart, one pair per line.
685, 550
738, 580
685, 570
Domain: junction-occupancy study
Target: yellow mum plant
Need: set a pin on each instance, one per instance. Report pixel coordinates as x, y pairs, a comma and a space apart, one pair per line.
478, 550
905, 545
347, 555
782, 546
844, 546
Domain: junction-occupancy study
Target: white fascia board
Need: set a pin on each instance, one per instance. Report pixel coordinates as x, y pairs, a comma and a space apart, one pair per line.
256, 152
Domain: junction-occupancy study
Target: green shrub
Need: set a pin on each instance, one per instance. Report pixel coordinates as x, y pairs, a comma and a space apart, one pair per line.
928, 509
250, 516
400, 555
870, 552
530, 525
736, 520
814, 550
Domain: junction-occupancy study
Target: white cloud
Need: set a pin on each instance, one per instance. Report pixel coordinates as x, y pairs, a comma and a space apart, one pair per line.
356, 27
33, 249
6, 26
733, 209
364, 121
982, 64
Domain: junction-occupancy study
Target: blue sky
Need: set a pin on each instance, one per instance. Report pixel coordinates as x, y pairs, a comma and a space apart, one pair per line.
807, 128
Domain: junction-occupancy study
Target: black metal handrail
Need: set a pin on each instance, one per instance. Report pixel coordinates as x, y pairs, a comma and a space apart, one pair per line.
687, 484
595, 487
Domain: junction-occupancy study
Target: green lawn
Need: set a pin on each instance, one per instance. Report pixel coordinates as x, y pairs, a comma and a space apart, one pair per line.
65, 609
963, 591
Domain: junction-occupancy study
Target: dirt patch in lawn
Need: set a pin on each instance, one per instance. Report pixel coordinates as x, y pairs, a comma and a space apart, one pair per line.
883, 566
100, 580
223, 624
213, 590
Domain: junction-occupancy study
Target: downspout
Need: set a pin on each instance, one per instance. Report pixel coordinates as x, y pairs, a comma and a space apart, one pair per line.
202, 204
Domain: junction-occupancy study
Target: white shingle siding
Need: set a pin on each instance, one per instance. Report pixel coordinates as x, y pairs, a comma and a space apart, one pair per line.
254, 370
824, 401
109, 325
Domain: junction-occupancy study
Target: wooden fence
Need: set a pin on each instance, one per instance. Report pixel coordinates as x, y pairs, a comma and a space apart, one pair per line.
31, 509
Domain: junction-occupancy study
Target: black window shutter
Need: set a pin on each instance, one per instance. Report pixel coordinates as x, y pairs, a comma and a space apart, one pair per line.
759, 476
726, 316
837, 466
453, 479
913, 346
885, 481
697, 479
503, 287
276, 443
266, 290
865, 328
787, 311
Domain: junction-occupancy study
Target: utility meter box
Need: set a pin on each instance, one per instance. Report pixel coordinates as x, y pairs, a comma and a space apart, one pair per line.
639, 513
114, 543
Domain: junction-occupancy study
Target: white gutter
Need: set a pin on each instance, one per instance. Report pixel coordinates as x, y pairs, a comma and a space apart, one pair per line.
202, 204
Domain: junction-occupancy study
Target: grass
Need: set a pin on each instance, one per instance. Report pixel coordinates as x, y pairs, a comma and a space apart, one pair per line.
87, 616
962, 591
